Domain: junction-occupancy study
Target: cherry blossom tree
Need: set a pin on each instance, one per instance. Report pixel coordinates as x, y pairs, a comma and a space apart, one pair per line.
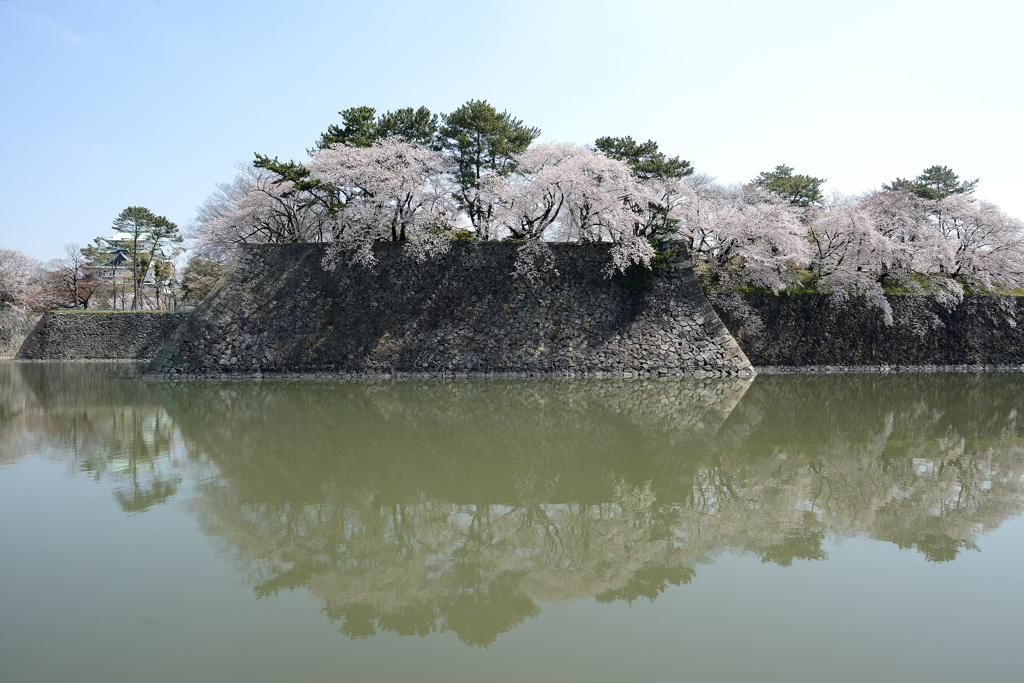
914, 248
17, 273
851, 255
214, 232
393, 190
199, 278
952, 242
258, 205
69, 282
985, 247
937, 247
900, 218
743, 236
18, 276
478, 168
567, 192
659, 172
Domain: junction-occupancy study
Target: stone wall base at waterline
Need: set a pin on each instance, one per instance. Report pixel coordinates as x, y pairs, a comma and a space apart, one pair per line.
880, 369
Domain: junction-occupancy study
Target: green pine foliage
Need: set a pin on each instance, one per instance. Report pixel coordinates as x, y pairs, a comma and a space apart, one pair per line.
648, 163
480, 140
415, 125
935, 182
800, 190
644, 158
361, 127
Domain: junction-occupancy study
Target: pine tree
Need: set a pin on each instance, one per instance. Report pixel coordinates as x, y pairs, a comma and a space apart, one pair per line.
644, 158
359, 128
480, 141
935, 182
799, 190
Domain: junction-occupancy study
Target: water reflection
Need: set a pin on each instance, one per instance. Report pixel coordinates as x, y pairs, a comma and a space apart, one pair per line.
427, 506
922, 461
97, 418
416, 507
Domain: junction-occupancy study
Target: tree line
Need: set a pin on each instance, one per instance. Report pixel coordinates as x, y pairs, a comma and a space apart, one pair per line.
428, 180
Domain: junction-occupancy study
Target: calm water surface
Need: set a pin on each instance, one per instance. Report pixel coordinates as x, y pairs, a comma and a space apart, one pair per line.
820, 528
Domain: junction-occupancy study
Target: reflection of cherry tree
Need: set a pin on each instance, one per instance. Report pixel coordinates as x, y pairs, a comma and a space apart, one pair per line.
429, 565
922, 474
797, 463
462, 507
16, 414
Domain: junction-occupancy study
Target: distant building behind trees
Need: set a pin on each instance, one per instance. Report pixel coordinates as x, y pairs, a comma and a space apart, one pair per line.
137, 261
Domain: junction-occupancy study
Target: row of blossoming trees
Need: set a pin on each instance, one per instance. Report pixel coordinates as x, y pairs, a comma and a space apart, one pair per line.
426, 180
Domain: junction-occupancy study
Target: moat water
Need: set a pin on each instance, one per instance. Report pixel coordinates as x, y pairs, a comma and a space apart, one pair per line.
789, 528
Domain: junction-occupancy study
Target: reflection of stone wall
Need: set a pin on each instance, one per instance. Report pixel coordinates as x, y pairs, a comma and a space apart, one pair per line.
62, 335
277, 310
812, 330
73, 386
452, 506
500, 441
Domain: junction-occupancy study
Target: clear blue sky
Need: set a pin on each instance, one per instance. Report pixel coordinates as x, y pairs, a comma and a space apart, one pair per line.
106, 104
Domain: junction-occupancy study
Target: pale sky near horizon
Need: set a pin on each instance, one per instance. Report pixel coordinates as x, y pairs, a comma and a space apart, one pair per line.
115, 103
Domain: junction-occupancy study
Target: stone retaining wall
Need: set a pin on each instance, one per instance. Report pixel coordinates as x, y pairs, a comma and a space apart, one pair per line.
463, 314
811, 332
80, 335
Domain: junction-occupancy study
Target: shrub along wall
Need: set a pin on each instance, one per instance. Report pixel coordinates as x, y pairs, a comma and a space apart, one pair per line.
61, 335
277, 311
812, 330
